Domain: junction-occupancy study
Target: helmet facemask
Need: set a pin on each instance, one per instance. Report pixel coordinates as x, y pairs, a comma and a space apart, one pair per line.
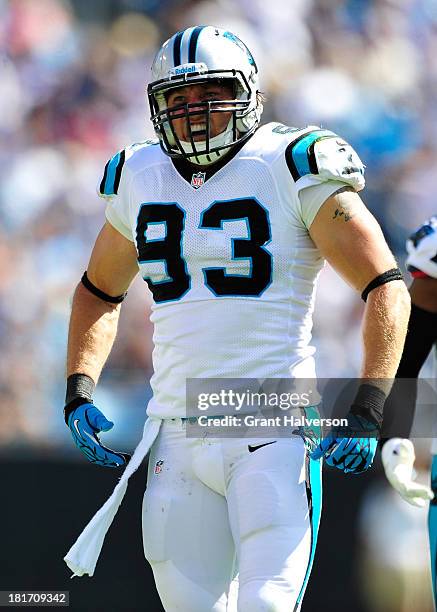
244, 109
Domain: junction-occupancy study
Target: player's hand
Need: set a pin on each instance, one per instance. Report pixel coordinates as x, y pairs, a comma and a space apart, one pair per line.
85, 422
398, 459
344, 449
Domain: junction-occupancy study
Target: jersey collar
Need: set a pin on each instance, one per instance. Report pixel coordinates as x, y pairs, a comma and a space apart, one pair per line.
186, 169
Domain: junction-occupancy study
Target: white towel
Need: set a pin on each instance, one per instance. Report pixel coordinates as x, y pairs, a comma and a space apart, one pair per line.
82, 556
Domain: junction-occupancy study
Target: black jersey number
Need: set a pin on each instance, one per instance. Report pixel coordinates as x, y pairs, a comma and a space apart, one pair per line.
251, 248
169, 248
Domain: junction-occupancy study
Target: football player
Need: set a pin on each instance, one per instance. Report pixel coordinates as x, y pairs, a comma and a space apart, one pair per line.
398, 453
229, 224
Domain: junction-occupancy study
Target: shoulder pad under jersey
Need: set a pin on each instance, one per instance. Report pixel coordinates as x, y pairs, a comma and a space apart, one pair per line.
319, 155
111, 177
422, 250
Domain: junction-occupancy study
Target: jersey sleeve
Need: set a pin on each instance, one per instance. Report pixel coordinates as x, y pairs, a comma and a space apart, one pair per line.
319, 163
318, 155
312, 198
422, 250
311, 168
114, 189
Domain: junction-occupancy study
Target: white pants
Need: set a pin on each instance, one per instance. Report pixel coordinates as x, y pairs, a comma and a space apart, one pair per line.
221, 522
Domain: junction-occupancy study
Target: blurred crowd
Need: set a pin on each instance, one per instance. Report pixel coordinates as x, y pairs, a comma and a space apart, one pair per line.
73, 78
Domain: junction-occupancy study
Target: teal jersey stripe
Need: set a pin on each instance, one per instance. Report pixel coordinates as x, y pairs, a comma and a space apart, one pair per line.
315, 480
110, 187
300, 162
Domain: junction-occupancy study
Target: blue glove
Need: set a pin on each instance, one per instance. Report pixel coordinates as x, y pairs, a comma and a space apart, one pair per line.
346, 451
85, 422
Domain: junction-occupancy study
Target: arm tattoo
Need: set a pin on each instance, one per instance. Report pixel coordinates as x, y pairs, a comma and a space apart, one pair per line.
343, 210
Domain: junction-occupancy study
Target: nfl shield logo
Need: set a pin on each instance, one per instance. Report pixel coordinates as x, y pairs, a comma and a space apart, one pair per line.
158, 467
198, 179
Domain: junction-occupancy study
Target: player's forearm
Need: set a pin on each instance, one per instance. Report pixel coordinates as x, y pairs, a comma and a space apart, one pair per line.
92, 331
384, 329
401, 403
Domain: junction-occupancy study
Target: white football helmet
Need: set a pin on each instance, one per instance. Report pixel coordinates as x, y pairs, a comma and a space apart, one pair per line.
422, 250
195, 56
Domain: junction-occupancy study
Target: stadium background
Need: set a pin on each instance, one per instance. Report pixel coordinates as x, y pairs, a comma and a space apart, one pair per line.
73, 76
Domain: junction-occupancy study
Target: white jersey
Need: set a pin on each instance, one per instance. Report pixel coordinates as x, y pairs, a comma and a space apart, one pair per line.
227, 254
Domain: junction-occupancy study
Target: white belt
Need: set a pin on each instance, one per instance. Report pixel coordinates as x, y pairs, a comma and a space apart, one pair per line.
83, 555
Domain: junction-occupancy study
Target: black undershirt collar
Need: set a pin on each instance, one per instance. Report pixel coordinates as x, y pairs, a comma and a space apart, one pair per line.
186, 169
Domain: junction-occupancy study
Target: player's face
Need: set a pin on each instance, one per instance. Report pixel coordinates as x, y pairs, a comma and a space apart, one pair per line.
198, 94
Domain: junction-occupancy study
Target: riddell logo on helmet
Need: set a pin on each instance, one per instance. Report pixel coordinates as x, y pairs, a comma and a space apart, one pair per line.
188, 69
185, 69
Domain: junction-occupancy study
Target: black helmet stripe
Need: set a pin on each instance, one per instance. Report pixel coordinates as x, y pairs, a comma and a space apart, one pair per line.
193, 44
184, 45
177, 48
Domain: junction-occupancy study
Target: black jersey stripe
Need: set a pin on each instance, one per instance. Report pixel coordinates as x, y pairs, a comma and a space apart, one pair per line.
289, 155
301, 161
193, 44
312, 157
105, 174
177, 48
118, 170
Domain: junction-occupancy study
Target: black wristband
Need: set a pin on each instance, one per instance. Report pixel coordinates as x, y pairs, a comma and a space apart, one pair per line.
369, 403
117, 299
381, 279
80, 388
73, 405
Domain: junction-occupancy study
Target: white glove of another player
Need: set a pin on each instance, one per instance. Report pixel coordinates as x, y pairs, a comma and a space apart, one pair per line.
398, 458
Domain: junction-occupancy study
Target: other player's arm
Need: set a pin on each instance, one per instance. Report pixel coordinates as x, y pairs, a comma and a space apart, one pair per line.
92, 331
398, 454
421, 336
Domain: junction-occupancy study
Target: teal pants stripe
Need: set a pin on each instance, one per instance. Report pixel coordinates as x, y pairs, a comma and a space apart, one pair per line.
432, 528
315, 485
